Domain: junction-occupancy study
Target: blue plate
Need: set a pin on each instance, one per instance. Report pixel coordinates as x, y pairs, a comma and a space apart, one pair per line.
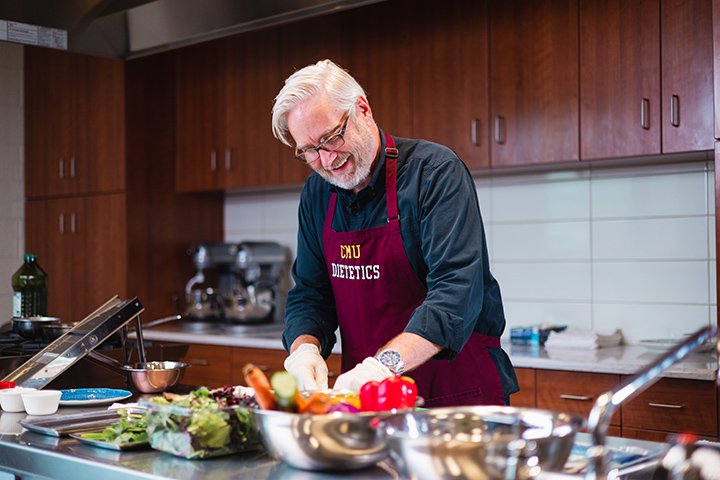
93, 396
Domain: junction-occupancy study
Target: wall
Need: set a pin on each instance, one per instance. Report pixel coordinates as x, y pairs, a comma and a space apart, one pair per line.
630, 248
12, 236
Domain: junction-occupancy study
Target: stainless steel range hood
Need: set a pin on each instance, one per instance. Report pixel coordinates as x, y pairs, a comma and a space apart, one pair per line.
134, 28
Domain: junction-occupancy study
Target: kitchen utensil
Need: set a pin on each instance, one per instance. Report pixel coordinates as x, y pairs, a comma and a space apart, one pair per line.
153, 377
334, 441
32, 327
63, 425
11, 399
480, 442
41, 402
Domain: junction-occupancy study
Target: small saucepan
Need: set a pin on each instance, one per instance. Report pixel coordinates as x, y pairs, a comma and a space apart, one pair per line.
32, 327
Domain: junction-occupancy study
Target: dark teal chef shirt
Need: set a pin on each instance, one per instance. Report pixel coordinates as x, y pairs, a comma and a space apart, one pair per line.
444, 240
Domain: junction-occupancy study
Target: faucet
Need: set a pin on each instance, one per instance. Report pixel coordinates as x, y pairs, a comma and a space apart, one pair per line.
605, 405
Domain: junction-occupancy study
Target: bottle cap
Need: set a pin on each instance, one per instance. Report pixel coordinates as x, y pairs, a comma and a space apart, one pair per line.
4, 385
30, 257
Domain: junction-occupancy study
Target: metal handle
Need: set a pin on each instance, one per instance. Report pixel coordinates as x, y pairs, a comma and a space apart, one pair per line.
198, 361
228, 159
61, 168
72, 167
581, 398
645, 113
332, 374
675, 111
473, 131
499, 129
72, 223
213, 160
665, 405
61, 218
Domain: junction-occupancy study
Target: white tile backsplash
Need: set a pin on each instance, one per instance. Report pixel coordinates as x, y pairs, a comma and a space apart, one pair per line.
621, 247
12, 239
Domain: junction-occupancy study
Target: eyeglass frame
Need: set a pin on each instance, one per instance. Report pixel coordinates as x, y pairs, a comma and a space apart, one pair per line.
340, 133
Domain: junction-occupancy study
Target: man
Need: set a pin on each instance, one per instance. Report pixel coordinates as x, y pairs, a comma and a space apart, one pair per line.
391, 249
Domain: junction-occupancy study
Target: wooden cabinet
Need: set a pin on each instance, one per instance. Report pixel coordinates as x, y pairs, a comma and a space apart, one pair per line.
450, 77
673, 405
645, 77
574, 392
526, 396
534, 82
81, 244
74, 117
687, 75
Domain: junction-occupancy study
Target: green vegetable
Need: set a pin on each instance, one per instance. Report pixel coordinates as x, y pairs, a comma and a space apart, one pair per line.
127, 430
285, 387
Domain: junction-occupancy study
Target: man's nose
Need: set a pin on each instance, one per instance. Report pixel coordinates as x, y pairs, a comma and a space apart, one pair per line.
327, 158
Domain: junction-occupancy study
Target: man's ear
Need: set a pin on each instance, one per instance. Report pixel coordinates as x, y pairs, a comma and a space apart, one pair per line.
362, 109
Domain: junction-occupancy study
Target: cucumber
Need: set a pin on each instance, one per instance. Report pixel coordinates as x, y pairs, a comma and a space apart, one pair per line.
285, 387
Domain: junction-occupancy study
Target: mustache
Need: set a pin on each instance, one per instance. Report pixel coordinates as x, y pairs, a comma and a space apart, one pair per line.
339, 161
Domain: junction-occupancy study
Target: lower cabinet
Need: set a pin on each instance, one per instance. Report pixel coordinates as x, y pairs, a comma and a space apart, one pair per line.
218, 365
670, 406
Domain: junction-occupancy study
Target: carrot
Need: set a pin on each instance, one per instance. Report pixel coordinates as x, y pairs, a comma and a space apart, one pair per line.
256, 379
318, 403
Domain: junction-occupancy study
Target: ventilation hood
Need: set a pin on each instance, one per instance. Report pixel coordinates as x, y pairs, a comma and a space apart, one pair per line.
134, 28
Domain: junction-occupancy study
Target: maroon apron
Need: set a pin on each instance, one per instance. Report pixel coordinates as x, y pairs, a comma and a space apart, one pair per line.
376, 291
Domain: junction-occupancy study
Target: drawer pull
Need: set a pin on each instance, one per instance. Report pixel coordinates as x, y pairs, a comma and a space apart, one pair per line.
665, 405
581, 398
198, 361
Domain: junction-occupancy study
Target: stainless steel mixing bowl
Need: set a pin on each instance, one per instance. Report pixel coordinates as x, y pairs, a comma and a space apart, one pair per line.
334, 441
154, 377
482, 442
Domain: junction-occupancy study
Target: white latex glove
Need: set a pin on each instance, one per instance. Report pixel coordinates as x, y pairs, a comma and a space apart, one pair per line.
370, 369
308, 367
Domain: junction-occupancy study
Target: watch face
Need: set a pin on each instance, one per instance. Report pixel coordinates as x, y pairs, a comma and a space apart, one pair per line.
391, 359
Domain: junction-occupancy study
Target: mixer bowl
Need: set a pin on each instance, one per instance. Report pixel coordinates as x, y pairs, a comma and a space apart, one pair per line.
481, 442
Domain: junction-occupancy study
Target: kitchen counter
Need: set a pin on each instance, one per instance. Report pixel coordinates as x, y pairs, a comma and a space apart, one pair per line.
623, 360
34, 456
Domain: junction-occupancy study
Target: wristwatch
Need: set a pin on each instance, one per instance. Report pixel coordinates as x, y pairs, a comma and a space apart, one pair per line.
392, 360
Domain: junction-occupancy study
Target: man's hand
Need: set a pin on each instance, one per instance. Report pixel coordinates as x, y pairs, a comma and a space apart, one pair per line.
308, 367
370, 369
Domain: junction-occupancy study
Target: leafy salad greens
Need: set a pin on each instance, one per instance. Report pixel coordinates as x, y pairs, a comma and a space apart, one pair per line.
131, 428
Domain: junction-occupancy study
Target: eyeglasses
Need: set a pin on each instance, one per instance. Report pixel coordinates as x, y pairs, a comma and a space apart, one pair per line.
330, 144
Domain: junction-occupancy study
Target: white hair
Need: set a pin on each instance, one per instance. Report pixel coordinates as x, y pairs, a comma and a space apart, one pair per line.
321, 77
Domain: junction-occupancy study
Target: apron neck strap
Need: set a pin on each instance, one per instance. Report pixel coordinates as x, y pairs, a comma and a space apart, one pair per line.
391, 156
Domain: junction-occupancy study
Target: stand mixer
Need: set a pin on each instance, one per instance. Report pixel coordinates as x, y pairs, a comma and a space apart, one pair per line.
248, 278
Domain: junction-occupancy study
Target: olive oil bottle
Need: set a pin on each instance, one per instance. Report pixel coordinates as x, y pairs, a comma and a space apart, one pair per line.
30, 289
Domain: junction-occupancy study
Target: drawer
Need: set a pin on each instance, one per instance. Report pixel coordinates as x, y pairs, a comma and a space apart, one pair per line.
210, 366
268, 360
675, 405
573, 392
526, 396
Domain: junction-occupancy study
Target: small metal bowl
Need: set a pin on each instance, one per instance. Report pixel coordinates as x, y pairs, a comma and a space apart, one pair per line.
154, 377
331, 442
482, 442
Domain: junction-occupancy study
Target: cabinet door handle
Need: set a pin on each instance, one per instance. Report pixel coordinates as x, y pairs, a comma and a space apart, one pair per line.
72, 167
228, 159
72, 223
198, 361
675, 111
213, 160
580, 398
645, 114
499, 130
665, 405
61, 168
61, 218
473, 131
332, 374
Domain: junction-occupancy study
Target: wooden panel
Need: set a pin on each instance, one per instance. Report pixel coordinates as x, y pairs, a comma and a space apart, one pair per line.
573, 392
269, 361
534, 82
716, 62
656, 436
450, 77
619, 69
673, 405
526, 396
211, 365
687, 79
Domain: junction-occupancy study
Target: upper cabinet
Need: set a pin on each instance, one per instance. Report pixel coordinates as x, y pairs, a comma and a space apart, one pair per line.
450, 77
687, 75
534, 82
645, 77
75, 130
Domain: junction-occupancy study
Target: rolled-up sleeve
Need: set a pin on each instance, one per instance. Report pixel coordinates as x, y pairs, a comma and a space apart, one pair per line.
453, 249
310, 307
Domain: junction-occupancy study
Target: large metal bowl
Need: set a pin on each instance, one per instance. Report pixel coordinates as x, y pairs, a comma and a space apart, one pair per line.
482, 442
330, 442
154, 377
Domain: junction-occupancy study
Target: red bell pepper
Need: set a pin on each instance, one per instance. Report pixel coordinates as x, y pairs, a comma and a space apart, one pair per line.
392, 393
